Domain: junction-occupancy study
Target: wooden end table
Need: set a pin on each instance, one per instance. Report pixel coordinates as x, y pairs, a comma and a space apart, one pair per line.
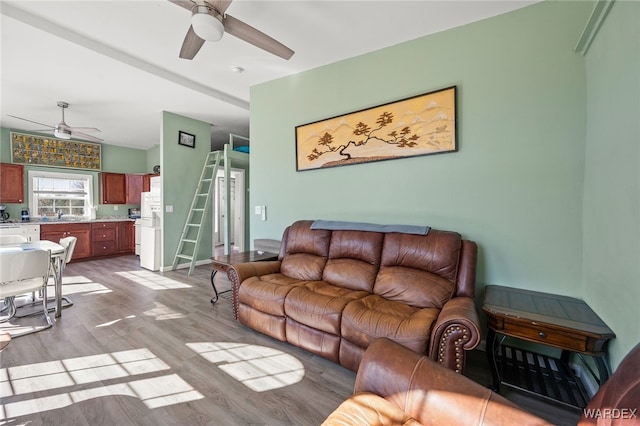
561, 322
224, 261
5, 338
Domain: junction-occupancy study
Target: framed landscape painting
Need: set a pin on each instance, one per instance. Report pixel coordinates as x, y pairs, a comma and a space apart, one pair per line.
421, 125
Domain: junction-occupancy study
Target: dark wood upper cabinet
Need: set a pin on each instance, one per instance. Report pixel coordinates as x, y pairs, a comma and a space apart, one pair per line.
12, 178
134, 188
120, 188
146, 182
113, 187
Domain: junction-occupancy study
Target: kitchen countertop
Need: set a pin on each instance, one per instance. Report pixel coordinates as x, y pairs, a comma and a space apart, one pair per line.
57, 221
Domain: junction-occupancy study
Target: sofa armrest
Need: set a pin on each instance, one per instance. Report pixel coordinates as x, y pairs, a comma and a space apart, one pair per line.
457, 330
431, 393
241, 271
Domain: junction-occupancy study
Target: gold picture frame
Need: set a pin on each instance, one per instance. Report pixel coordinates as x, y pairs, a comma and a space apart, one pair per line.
47, 151
416, 126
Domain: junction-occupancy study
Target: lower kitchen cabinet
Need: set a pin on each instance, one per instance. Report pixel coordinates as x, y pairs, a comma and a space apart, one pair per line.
82, 231
126, 238
95, 239
103, 238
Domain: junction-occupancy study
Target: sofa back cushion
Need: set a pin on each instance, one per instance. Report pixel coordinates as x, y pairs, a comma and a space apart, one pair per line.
354, 259
419, 270
304, 251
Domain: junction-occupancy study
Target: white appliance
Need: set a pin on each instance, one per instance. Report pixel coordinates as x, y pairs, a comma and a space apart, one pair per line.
155, 185
137, 226
150, 240
30, 231
149, 227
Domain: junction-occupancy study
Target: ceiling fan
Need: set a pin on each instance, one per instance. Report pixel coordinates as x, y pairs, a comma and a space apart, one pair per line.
62, 130
209, 23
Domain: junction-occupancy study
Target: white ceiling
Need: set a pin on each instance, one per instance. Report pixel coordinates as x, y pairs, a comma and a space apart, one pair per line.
117, 64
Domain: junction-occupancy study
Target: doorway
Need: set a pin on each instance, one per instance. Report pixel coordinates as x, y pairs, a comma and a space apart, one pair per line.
231, 239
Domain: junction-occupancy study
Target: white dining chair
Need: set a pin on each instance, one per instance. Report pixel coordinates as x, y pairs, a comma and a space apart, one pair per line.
69, 244
7, 240
22, 272
14, 239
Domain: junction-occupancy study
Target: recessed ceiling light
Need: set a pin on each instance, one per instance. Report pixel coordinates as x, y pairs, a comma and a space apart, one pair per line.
237, 69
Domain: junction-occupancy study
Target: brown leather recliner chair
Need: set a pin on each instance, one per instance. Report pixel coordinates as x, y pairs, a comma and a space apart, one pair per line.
395, 386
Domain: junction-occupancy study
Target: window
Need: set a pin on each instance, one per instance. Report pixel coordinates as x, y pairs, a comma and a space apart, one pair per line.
52, 193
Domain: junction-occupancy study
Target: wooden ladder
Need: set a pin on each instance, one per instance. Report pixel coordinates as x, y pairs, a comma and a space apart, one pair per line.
190, 238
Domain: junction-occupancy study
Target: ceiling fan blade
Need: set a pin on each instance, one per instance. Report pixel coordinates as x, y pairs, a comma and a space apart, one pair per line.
31, 121
81, 135
191, 45
246, 32
187, 4
219, 5
84, 129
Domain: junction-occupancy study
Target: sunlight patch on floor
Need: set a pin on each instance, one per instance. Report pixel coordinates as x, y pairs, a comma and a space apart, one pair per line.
110, 323
152, 280
153, 392
258, 367
163, 312
73, 371
76, 284
88, 288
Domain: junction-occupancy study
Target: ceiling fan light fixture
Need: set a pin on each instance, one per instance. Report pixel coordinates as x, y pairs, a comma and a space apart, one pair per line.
61, 133
206, 24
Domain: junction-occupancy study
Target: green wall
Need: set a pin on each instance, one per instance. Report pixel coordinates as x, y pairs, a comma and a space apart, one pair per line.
546, 179
180, 168
153, 158
115, 159
515, 186
612, 177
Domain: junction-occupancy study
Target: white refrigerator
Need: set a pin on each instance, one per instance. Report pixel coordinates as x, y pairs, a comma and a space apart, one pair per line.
150, 240
150, 224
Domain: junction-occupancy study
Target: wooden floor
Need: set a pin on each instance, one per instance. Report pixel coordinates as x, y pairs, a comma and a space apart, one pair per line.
143, 348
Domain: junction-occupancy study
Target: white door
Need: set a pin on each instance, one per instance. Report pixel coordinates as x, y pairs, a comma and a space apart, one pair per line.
236, 207
221, 211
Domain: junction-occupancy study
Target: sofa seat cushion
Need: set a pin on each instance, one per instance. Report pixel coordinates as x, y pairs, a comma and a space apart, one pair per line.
426, 267
305, 251
366, 319
419, 288
319, 304
354, 259
369, 409
267, 293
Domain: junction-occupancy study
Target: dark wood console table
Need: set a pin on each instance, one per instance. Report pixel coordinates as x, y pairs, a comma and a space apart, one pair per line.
561, 322
223, 263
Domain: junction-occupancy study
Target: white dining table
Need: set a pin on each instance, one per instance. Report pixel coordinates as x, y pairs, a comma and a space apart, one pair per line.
57, 259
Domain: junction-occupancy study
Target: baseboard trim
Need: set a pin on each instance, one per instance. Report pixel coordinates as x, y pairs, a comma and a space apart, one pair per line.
186, 265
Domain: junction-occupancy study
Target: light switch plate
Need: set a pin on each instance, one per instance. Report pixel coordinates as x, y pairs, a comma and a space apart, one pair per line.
168, 208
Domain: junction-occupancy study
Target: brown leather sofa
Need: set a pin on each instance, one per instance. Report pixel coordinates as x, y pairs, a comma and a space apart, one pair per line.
333, 292
395, 386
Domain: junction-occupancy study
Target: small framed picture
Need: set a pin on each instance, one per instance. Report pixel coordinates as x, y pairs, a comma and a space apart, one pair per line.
186, 139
